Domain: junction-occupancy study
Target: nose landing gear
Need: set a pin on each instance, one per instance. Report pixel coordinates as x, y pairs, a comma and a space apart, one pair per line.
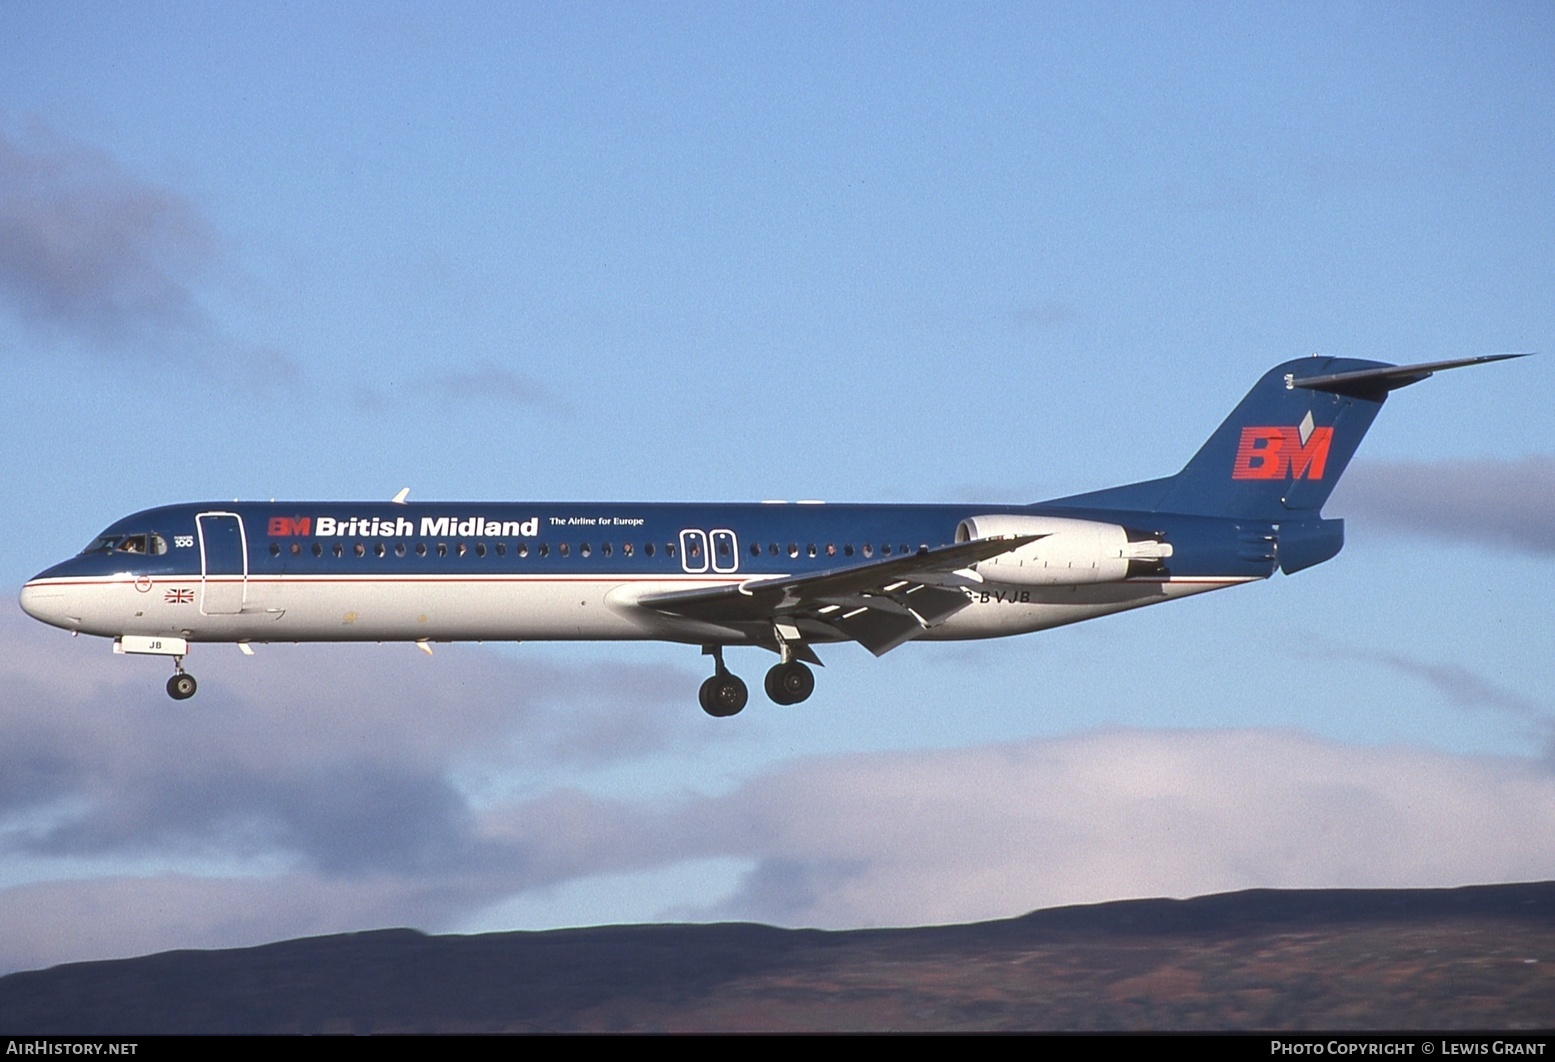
182, 685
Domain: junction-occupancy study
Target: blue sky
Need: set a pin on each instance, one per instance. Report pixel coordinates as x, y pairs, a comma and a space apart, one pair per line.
702, 252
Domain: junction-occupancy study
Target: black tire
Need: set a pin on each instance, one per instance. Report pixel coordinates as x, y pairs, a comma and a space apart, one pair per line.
789, 683
181, 686
723, 695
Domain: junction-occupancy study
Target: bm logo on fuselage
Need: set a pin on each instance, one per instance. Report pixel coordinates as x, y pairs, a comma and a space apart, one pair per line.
1283, 453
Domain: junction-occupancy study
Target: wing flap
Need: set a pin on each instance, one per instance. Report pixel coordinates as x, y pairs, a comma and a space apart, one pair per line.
879, 632
879, 604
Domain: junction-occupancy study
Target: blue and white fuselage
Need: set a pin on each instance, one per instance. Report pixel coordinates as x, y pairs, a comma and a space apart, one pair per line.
461, 572
781, 576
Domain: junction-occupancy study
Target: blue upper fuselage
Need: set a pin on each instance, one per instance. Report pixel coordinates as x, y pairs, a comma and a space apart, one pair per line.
609, 538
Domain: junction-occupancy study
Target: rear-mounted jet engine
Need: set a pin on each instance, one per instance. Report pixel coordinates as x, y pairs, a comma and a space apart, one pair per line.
1068, 553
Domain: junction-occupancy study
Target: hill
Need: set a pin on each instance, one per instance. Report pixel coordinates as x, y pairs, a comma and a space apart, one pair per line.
1481, 957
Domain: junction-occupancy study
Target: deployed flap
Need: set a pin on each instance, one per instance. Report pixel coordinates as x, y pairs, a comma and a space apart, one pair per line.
879, 604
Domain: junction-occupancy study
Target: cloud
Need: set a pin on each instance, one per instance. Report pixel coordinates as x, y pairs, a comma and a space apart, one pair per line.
1502, 503
112, 263
989, 832
92, 251
1464, 688
343, 759
481, 382
491, 383
1052, 315
357, 787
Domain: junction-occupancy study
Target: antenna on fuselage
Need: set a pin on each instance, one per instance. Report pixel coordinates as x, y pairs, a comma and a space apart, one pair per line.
399, 499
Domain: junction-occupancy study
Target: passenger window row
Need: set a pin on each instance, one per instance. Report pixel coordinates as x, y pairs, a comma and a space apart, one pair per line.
401, 548
460, 548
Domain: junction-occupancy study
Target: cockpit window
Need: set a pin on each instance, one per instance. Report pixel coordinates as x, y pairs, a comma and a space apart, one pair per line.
152, 544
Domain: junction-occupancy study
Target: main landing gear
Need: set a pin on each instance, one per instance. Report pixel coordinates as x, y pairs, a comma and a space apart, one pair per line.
725, 694
182, 685
789, 683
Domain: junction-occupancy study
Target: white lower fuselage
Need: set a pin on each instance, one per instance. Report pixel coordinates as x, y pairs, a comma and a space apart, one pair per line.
440, 608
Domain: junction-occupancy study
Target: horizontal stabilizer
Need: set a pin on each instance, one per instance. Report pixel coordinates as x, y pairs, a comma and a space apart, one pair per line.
1371, 383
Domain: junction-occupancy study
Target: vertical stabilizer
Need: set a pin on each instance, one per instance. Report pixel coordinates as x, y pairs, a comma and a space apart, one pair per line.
1279, 454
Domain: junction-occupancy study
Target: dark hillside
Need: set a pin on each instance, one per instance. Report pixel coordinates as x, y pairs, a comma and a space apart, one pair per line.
1481, 957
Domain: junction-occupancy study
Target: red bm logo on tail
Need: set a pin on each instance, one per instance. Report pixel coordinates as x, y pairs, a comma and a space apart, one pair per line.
1283, 453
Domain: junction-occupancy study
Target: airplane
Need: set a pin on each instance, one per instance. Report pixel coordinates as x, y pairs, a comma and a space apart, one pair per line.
784, 577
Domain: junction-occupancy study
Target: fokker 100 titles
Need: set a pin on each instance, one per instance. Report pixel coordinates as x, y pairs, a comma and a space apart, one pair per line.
402, 527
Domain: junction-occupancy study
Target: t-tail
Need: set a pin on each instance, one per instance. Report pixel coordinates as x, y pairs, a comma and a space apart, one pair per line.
1280, 453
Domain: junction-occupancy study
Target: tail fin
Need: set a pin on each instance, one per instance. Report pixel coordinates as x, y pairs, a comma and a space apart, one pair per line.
1279, 454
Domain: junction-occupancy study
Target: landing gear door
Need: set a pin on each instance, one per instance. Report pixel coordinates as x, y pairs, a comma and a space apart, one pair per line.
223, 563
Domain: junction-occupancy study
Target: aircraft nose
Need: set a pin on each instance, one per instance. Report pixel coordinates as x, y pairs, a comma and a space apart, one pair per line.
49, 603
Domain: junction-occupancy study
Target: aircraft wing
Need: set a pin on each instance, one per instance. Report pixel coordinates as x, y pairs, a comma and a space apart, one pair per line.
879, 604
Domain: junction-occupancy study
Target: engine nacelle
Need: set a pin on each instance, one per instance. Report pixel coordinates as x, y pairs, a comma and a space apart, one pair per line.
1069, 553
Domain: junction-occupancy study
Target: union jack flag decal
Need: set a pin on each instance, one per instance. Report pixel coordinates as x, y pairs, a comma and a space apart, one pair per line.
179, 596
